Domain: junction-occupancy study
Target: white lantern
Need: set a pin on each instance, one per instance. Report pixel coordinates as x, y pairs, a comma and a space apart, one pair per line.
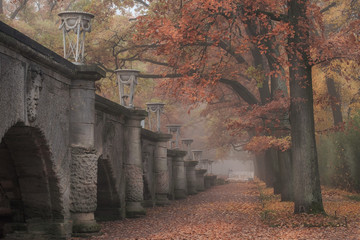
75, 25
156, 108
127, 81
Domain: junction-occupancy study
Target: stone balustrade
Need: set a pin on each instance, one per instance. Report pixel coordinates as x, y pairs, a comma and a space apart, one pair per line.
90, 158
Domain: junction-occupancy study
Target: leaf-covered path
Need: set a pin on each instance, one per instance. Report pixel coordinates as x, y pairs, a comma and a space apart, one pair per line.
232, 211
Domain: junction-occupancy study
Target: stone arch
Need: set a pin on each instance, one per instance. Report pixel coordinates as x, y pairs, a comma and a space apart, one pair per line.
108, 198
28, 182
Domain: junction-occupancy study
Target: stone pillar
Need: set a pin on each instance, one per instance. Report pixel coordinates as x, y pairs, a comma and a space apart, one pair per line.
170, 159
191, 176
179, 174
161, 171
200, 179
207, 181
134, 185
83, 175
213, 180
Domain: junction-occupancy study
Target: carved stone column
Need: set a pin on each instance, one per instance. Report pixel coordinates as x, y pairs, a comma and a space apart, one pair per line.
200, 179
83, 176
179, 174
161, 171
134, 185
191, 176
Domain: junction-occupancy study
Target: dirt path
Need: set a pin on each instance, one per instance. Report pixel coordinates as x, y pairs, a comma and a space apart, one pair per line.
231, 211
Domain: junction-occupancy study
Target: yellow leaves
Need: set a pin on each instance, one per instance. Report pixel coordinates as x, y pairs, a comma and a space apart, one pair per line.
345, 75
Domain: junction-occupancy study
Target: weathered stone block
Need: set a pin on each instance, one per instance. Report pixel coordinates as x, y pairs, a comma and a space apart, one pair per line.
83, 180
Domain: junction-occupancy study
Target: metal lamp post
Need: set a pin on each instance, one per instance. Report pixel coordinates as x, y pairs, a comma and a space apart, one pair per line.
174, 129
156, 108
187, 147
75, 25
127, 81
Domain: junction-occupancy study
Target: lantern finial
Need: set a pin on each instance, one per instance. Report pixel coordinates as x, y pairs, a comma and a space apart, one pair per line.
75, 25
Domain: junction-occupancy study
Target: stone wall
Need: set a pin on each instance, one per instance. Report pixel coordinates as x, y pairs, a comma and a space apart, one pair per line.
35, 124
110, 143
68, 155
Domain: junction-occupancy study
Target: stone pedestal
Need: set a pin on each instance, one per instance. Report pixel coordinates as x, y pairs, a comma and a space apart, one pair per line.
133, 166
161, 171
200, 184
83, 190
83, 168
179, 174
191, 176
40, 229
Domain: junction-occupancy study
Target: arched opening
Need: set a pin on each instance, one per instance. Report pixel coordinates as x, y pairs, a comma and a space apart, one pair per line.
108, 198
29, 195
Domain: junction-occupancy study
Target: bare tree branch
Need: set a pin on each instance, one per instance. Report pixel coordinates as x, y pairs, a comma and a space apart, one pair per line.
142, 3
18, 9
240, 90
1, 7
328, 7
274, 16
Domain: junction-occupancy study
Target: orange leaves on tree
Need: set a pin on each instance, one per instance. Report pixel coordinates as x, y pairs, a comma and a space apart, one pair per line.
262, 143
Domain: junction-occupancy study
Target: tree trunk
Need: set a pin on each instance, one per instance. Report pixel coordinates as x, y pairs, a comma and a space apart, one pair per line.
285, 168
1, 7
307, 191
276, 171
260, 166
269, 169
335, 101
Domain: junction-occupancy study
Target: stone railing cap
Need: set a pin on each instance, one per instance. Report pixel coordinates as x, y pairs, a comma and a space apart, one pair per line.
173, 125
187, 139
91, 72
197, 150
111, 107
191, 163
127, 70
76, 12
155, 103
155, 136
176, 153
201, 171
